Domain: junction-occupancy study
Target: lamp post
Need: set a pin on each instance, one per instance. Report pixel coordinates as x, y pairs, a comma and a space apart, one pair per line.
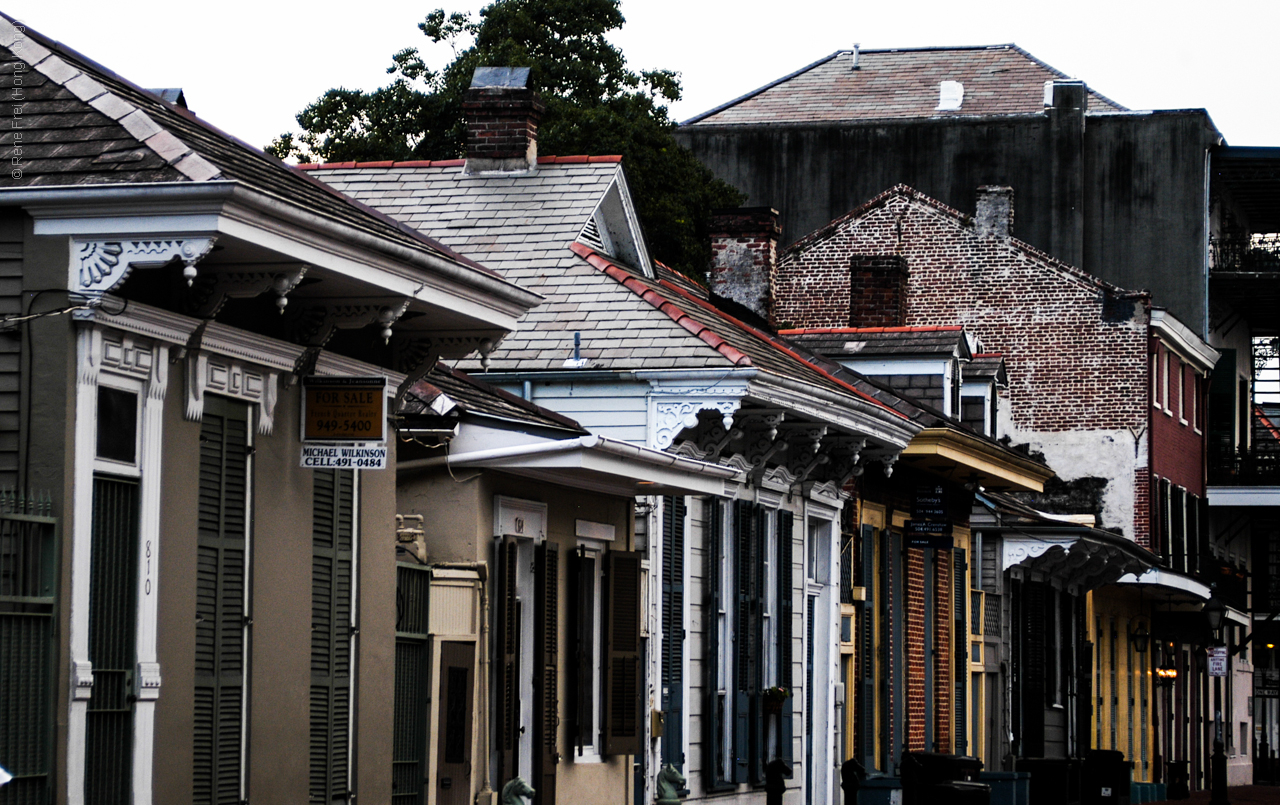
1215, 611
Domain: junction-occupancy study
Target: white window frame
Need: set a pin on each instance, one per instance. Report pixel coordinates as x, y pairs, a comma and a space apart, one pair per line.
1155, 379
1165, 386
595, 549
1182, 391
724, 626
769, 615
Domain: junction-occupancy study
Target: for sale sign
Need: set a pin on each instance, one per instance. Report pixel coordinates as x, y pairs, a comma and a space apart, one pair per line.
344, 421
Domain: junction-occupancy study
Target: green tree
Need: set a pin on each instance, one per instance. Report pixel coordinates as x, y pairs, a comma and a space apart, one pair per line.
595, 105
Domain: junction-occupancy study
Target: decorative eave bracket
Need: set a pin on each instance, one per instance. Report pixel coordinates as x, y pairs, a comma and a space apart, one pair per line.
100, 266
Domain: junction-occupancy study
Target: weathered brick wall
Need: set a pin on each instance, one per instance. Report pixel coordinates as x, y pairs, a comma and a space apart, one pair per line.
501, 123
1076, 349
744, 256
1177, 450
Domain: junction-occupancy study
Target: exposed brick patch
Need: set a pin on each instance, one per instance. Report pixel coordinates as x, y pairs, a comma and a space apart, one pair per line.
744, 251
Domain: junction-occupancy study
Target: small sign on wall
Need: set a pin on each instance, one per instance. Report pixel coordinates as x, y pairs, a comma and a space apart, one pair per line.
1217, 661
344, 422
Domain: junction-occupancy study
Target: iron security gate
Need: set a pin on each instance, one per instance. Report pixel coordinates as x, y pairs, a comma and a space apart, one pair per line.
28, 566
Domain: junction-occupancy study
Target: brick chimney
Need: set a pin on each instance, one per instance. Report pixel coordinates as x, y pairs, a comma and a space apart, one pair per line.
994, 216
502, 115
877, 290
744, 254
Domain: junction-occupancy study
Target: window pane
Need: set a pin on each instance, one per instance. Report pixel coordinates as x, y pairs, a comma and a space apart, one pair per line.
117, 424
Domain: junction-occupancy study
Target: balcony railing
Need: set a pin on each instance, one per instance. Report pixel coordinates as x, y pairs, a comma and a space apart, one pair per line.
1259, 467
1239, 251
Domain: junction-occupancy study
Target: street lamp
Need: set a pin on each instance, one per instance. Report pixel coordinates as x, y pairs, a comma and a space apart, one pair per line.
1214, 611
1140, 637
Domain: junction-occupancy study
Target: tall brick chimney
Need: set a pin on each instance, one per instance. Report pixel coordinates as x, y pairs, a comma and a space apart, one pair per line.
502, 115
744, 254
994, 216
877, 290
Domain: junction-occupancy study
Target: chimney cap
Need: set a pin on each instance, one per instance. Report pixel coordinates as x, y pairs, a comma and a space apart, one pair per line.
500, 78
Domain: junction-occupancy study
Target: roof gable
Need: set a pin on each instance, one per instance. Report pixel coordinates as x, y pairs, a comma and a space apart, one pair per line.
900, 83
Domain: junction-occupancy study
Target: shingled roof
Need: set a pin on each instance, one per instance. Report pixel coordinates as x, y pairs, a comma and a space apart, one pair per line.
883, 341
474, 396
81, 124
899, 83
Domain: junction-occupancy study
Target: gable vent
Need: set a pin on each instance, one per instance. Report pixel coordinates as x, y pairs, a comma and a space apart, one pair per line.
591, 236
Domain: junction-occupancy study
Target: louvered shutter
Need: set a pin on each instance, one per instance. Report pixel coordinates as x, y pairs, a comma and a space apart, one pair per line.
622, 648
895, 667
508, 716
221, 624
113, 596
786, 736
332, 518
1034, 671
409, 739
867, 699
712, 734
582, 655
546, 662
960, 641
673, 516
746, 654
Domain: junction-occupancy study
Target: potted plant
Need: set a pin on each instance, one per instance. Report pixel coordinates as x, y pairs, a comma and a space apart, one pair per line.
773, 699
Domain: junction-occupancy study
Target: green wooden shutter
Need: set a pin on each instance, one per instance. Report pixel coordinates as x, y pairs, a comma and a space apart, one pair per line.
867, 662
746, 654
673, 516
622, 646
409, 729
221, 572
583, 631
714, 716
546, 642
508, 717
960, 642
786, 571
113, 596
1034, 670
332, 543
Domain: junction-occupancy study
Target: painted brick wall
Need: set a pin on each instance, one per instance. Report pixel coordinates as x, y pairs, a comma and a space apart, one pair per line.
1076, 349
1177, 450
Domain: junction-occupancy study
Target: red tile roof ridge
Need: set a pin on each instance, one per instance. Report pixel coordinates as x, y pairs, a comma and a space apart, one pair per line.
672, 311
780, 347
919, 328
448, 163
715, 341
988, 354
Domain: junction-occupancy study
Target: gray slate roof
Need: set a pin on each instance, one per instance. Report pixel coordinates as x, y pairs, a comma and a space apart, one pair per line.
522, 226
882, 341
477, 397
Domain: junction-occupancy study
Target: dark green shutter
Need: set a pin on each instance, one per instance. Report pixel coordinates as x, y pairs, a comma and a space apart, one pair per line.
546, 642
960, 640
748, 642
220, 596
1035, 671
713, 722
622, 650
409, 729
27, 614
673, 516
867, 662
582, 628
113, 596
332, 521
508, 716
786, 573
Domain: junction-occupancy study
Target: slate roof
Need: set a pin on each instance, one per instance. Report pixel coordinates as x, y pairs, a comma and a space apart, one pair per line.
986, 366
84, 125
882, 341
899, 83
475, 396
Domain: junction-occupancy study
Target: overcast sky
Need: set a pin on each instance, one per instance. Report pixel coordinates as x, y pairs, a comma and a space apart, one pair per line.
249, 67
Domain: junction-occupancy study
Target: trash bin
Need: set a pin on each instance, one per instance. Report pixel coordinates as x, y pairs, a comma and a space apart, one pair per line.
1105, 777
932, 777
1178, 779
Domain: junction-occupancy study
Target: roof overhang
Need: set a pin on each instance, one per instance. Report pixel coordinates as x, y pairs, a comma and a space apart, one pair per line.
1083, 558
962, 457
593, 463
1186, 343
458, 297
1244, 495
1169, 582
843, 411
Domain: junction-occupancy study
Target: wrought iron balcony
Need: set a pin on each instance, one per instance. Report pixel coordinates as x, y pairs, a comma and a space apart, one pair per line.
1258, 467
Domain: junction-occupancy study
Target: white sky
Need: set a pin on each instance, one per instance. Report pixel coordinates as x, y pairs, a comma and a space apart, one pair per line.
249, 67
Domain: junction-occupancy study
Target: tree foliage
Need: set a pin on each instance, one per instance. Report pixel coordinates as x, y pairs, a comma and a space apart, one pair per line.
595, 105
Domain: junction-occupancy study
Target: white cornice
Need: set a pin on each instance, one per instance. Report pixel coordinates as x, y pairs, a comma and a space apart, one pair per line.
1187, 344
858, 417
